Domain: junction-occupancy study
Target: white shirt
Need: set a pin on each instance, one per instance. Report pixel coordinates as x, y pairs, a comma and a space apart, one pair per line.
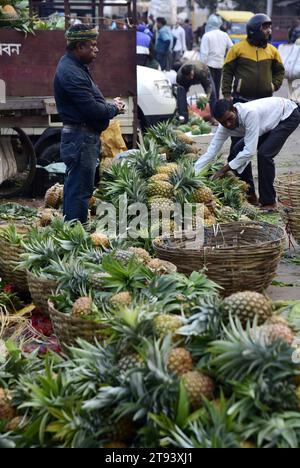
256, 118
179, 33
214, 46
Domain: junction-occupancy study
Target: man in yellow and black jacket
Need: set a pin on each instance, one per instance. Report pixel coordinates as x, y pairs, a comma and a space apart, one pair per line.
253, 68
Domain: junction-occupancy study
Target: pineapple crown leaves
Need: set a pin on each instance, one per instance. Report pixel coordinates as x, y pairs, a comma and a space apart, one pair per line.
89, 367
72, 276
120, 180
128, 277
279, 430
210, 427
11, 235
196, 286
264, 395
73, 238
38, 254
205, 319
243, 353
146, 160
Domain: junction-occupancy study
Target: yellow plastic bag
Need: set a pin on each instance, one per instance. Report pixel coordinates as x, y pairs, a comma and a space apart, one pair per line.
112, 141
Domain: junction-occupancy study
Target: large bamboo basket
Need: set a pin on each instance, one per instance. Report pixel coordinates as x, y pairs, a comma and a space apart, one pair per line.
41, 289
288, 192
10, 256
237, 256
9, 259
67, 329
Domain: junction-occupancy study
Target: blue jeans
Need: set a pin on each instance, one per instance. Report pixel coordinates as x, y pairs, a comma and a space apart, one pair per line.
80, 151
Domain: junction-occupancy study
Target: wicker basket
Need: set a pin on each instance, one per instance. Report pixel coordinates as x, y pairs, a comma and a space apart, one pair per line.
237, 256
40, 289
22, 227
67, 329
288, 192
9, 259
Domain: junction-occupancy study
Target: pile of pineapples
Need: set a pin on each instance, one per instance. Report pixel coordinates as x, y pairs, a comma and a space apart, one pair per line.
163, 177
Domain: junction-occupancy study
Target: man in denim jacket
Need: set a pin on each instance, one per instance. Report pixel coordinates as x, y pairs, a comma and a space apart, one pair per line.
85, 114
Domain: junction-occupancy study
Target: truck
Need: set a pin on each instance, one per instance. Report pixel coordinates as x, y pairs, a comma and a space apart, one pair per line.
28, 66
236, 22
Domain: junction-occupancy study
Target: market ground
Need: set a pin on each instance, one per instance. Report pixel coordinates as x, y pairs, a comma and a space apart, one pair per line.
287, 282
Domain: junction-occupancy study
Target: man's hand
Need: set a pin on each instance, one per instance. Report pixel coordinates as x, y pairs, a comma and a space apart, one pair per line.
229, 98
120, 105
221, 173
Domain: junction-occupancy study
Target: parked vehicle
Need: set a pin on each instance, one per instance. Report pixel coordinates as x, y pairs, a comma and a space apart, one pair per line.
26, 85
236, 23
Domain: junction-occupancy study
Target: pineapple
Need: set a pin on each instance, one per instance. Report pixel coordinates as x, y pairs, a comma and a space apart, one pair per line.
167, 324
184, 138
227, 214
3, 353
100, 240
207, 212
46, 216
248, 445
278, 331
159, 178
13, 424
83, 307
160, 267
6, 410
210, 221
115, 445
198, 385
250, 211
121, 430
97, 282
123, 299
141, 254
167, 169
298, 396
248, 305
54, 196
128, 363
180, 361
203, 195
123, 256
106, 164
161, 204
161, 189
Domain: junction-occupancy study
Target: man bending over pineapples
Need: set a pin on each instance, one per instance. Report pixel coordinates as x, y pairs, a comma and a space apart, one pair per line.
263, 127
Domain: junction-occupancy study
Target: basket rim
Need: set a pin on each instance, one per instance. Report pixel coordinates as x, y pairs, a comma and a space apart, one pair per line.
222, 248
75, 321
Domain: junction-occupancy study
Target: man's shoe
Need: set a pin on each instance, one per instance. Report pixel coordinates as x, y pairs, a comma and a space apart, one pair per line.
269, 209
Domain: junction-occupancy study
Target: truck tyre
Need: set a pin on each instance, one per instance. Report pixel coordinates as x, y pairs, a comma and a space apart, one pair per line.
50, 155
22, 181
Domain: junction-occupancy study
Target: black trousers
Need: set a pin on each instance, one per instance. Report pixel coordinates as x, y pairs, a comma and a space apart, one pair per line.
269, 146
216, 74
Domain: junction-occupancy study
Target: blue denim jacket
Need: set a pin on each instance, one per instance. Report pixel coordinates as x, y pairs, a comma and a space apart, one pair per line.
78, 99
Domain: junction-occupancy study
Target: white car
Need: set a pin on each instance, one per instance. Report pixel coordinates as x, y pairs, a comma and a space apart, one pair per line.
156, 101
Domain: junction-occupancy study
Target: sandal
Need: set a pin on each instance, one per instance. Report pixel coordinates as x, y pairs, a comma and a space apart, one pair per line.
269, 209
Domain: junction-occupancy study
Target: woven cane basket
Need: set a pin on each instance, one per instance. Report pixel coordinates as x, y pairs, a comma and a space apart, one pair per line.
9, 259
67, 329
288, 192
237, 256
41, 289
22, 227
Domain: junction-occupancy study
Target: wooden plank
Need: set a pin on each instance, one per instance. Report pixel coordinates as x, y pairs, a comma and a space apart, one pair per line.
31, 72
